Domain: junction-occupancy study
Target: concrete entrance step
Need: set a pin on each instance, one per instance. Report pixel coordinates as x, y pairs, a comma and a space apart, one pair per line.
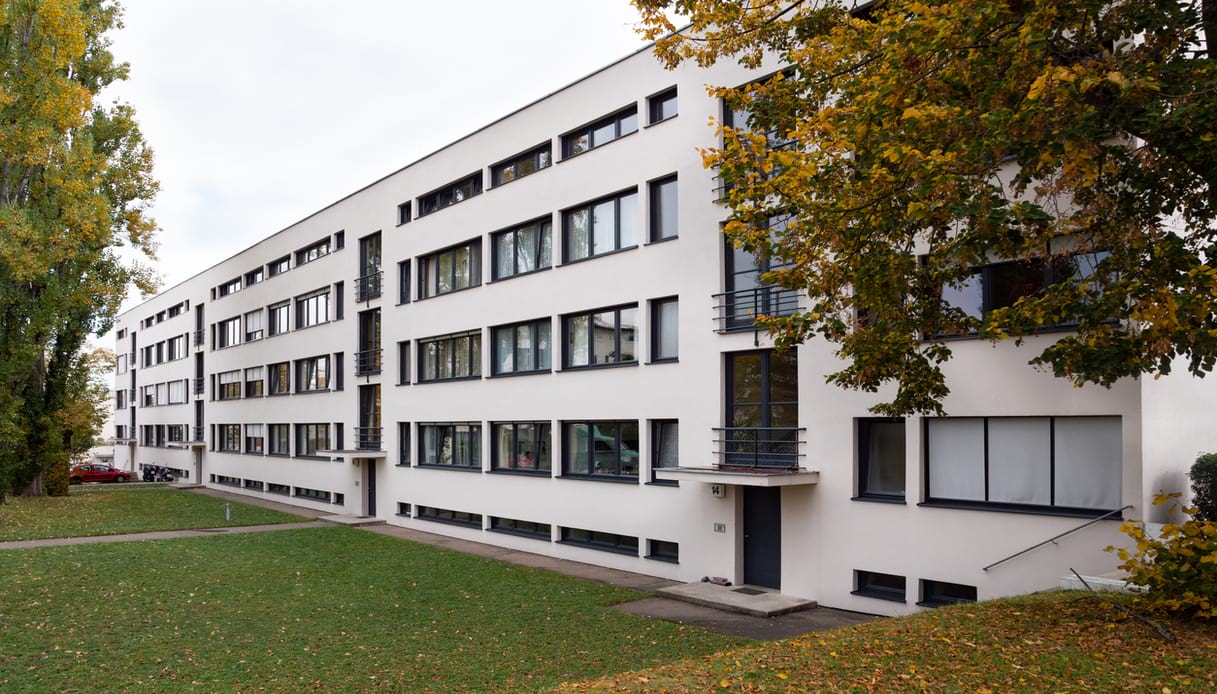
351, 520
750, 600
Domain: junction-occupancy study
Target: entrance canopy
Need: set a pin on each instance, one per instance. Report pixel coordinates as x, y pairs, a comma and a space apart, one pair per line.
743, 477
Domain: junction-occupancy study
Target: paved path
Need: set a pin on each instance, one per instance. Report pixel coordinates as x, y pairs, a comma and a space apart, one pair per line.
159, 535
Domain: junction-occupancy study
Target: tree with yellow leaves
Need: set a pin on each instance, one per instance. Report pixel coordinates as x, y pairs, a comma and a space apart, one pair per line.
973, 167
75, 181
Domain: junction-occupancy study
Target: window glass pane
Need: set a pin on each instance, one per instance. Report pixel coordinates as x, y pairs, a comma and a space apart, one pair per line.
526, 453
629, 220
885, 458
503, 448
443, 355
577, 144
504, 252
667, 442
543, 329
1008, 282
604, 338
578, 234
746, 378
784, 376
524, 347
604, 133
542, 450
577, 341
664, 210
629, 124
957, 458
461, 348
576, 449
461, 268
475, 356
968, 297
445, 273
629, 448
544, 258
430, 361
629, 333
604, 216
1089, 462
666, 330
605, 448
526, 249
1020, 466
504, 353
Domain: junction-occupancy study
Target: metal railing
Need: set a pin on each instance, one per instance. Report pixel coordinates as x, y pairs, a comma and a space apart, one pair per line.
369, 438
200, 385
367, 362
1054, 538
199, 336
739, 310
368, 287
197, 434
759, 447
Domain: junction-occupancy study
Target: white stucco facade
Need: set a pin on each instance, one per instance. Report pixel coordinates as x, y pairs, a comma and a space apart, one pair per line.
829, 528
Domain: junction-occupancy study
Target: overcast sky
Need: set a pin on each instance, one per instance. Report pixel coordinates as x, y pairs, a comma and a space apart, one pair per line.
261, 112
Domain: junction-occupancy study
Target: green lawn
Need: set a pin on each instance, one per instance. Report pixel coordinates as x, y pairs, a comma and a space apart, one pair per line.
327, 609
122, 508
1053, 642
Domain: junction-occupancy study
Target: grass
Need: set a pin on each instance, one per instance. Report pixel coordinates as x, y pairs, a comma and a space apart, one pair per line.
1054, 642
122, 508
327, 609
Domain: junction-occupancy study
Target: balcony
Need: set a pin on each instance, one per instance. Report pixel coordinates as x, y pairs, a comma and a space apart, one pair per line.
199, 338
369, 438
368, 287
200, 386
759, 448
196, 434
367, 362
737, 311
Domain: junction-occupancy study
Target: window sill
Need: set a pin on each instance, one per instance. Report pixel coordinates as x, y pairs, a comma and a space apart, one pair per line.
666, 560
403, 303
496, 186
449, 380
312, 392
593, 149
445, 521
405, 465
655, 242
1026, 510
667, 360
517, 533
277, 395
454, 291
521, 473
455, 468
942, 603
585, 259
900, 501
513, 374
663, 483
322, 458
499, 280
878, 596
661, 120
594, 367
599, 478
314, 325
599, 548
278, 455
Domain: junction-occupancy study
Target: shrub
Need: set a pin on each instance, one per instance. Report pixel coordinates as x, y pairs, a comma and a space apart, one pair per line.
1204, 486
1179, 569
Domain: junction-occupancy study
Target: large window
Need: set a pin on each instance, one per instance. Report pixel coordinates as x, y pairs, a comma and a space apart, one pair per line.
600, 227
279, 318
603, 131
520, 165
255, 438
1069, 463
663, 217
228, 333
521, 447
255, 382
230, 438
177, 392
600, 449
665, 447
522, 348
280, 439
230, 385
450, 194
873, 584
450, 357
280, 379
253, 325
450, 445
313, 374
881, 458
662, 106
175, 348
665, 329
603, 336
1001, 284
525, 249
313, 252
311, 438
313, 308
450, 270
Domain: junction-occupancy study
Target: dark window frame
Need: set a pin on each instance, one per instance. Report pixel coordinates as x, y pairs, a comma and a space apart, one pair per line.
513, 162
655, 216
656, 333
592, 425
655, 427
513, 526
279, 318
615, 119
302, 437
871, 584
473, 358
279, 378
542, 440
448, 432
567, 321
589, 209
663, 550
405, 213
228, 438
543, 226
308, 306
657, 102
600, 540
449, 516
404, 448
314, 251
279, 266
279, 436
303, 383
534, 327
446, 195
430, 263
404, 285
936, 593
863, 447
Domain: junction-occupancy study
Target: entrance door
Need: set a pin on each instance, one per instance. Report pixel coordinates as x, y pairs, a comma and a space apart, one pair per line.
763, 536
369, 481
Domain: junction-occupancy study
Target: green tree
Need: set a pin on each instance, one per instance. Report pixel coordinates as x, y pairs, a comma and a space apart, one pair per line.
912, 142
75, 181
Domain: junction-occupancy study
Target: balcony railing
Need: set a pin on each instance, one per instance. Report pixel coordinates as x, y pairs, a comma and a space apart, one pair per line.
369, 438
367, 362
759, 447
196, 434
739, 310
199, 337
368, 287
200, 386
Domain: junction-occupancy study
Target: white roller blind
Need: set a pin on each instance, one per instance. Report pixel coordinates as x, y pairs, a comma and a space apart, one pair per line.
1089, 460
957, 458
1020, 460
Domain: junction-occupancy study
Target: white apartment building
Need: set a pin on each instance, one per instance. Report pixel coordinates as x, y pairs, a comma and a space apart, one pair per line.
536, 337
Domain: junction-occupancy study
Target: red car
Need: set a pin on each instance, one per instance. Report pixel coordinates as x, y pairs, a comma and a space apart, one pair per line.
97, 472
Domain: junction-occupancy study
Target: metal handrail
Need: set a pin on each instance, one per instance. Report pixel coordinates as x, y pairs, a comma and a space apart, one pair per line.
369, 438
1053, 539
368, 362
758, 448
368, 287
738, 310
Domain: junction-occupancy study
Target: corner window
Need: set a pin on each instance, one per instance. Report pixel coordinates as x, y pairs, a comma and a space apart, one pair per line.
450, 445
662, 106
521, 348
665, 330
600, 227
450, 357
520, 165
521, 447
601, 337
873, 584
881, 458
600, 449
522, 250
450, 194
601, 132
663, 209
451, 269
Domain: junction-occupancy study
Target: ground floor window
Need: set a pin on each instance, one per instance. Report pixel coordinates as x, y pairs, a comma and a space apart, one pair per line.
594, 539
532, 529
937, 593
873, 584
445, 515
450, 445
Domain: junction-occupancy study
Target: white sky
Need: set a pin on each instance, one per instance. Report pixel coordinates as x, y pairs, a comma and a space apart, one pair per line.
261, 112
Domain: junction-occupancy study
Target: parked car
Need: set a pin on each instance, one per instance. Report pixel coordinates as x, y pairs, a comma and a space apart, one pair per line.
97, 472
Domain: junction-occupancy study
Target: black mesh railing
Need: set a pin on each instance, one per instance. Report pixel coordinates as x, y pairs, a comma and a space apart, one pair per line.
738, 310
369, 438
200, 385
759, 447
368, 287
199, 336
196, 434
367, 362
